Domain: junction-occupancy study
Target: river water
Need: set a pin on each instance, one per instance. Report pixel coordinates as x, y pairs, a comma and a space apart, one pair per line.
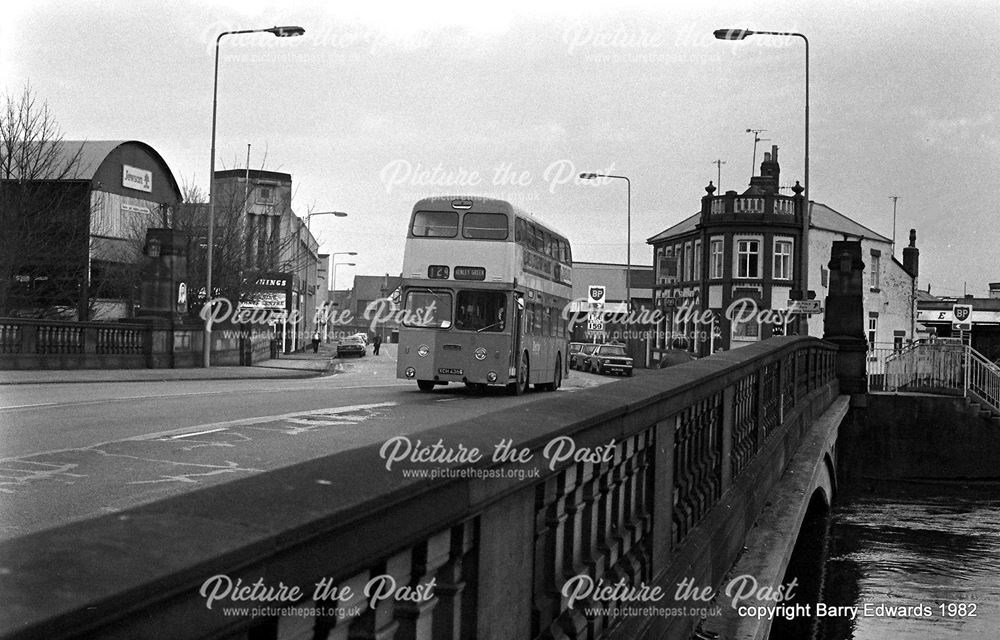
929, 554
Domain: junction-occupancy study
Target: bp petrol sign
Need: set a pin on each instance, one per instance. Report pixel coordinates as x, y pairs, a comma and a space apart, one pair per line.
962, 312
963, 317
595, 294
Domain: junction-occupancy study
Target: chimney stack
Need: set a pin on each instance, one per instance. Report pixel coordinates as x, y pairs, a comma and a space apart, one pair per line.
769, 171
995, 290
911, 255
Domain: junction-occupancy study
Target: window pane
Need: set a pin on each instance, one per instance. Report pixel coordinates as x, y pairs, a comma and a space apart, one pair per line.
485, 226
435, 224
520, 229
426, 308
484, 311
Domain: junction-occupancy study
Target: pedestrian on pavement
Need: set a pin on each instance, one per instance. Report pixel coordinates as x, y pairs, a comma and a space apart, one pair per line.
377, 343
315, 342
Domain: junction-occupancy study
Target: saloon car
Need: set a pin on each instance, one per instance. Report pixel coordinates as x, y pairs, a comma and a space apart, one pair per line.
351, 346
578, 359
609, 358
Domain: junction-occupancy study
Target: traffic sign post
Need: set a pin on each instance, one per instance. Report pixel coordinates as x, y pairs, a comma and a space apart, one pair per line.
805, 307
595, 302
962, 314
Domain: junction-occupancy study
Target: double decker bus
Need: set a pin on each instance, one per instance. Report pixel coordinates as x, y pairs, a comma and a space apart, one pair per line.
484, 288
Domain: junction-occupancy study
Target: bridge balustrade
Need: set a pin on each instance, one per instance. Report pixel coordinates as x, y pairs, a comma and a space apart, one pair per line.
689, 453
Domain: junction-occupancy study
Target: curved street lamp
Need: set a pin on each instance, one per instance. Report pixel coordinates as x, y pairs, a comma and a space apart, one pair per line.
628, 268
742, 34
280, 32
338, 214
339, 264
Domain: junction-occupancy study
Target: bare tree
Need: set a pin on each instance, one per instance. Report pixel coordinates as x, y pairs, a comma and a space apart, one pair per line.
43, 213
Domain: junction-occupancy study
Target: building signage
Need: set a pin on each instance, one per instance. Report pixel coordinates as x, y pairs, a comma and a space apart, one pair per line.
267, 282
806, 307
267, 300
595, 294
131, 208
138, 179
962, 312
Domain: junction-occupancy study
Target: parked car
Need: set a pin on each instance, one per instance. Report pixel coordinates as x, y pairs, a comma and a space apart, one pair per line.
574, 348
362, 336
578, 360
610, 358
351, 345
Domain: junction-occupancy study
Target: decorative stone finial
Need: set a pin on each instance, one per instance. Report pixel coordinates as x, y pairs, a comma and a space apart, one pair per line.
710, 188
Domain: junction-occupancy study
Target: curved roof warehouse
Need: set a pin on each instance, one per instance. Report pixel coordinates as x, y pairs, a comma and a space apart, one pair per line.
84, 211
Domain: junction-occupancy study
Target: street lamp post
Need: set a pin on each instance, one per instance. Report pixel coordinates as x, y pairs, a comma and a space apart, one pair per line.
309, 216
741, 34
333, 263
333, 259
628, 268
280, 32
339, 264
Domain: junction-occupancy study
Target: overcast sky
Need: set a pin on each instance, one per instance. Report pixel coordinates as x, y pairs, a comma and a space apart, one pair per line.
380, 104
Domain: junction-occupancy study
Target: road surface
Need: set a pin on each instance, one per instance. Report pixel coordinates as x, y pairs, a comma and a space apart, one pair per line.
74, 451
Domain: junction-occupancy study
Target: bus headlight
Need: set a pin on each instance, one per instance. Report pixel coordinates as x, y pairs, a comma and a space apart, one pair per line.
491, 376
410, 372
480, 353
423, 351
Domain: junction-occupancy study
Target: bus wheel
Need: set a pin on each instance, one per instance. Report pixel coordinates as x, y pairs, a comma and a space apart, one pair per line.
425, 385
518, 387
557, 379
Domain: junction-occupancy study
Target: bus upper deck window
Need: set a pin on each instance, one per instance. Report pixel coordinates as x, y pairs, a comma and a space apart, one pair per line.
435, 224
485, 226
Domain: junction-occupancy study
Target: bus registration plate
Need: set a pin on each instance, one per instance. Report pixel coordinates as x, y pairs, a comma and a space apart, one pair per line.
451, 372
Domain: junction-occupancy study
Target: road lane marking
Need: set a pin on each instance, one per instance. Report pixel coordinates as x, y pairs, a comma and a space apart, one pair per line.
196, 433
246, 422
170, 434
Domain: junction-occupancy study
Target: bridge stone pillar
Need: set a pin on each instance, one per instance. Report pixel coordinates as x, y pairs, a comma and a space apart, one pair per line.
844, 320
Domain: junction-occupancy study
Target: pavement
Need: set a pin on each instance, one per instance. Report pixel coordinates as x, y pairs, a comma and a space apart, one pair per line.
289, 366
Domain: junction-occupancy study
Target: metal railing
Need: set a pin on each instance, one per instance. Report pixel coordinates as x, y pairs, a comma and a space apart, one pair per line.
983, 380
932, 367
942, 366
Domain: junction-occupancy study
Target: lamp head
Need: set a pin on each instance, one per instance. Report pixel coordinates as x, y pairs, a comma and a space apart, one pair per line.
286, 31
732, 34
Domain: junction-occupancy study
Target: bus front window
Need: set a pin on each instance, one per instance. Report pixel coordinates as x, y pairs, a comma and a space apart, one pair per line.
485, 226
428, 308
435, 224
482, 311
